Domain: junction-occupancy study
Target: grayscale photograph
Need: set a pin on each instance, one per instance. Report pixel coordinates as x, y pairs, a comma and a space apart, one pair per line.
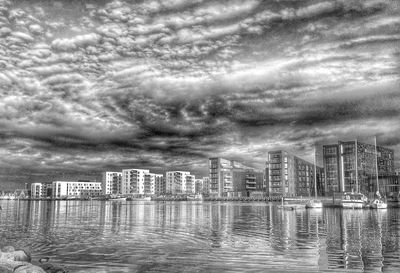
203, 136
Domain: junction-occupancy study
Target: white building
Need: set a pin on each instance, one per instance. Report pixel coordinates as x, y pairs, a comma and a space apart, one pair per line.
76, 189
39, 190
180, 182
111, 183
133, 181
190, 185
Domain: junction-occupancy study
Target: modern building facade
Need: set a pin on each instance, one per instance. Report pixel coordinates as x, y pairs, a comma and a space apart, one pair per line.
77, 189
40, 190
198, 186
159, 184
111, 182
290, 175
179, 182
354, 166
231, 178
133, 181
206, 185
247, 182
153, 184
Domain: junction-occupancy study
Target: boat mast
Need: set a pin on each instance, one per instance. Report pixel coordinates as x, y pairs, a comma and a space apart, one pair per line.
376, 167
315, 171
357, 185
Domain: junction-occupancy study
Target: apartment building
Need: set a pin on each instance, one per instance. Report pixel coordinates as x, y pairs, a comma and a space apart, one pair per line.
247, 182
198, 186
153, 184
206, 185
40, 190
231, 178
78, 189
354, 166
133, 181
179, 182
290, 175
160, 184
111, 182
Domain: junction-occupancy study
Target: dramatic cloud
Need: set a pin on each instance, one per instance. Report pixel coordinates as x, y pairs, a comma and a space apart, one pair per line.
88, 86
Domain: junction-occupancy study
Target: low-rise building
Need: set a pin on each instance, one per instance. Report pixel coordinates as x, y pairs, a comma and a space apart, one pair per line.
75, 189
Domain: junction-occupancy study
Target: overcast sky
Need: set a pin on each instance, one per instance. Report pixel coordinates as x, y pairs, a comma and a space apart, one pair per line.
88, 86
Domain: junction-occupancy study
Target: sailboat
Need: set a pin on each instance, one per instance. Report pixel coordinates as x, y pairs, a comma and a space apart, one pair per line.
378, 203
314, 203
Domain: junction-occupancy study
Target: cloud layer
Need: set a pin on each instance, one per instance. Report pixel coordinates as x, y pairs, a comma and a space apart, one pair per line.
93, 85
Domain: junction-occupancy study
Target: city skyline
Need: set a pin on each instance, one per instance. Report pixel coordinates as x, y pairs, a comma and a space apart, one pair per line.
89, 86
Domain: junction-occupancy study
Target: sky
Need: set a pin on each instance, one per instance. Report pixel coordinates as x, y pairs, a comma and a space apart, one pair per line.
89, 86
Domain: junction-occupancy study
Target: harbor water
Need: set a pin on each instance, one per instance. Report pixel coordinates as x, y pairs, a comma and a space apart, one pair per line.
148, 236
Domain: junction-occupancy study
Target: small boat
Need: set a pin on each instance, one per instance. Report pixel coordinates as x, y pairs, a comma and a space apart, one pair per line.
143, 198
314, 204
117, 198
353, 200
378, 204
291, 206
197, 197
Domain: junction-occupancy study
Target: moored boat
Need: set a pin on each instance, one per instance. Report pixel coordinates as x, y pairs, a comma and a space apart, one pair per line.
353, 200
139, 198
314, 204
197, 197
117, 198
378, 204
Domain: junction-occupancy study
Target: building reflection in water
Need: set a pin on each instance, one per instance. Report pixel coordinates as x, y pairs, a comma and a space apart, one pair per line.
322, 239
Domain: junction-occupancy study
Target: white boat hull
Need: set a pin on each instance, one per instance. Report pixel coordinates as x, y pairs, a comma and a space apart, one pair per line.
118, 199
314, 204
377, 204
353, 205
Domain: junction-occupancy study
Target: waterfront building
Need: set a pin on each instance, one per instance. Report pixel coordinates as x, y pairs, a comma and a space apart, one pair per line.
231, 178
40, 190
133, 181
75, 189
190, 186
149, 183
247, 182
353, 166
111, 182
178, 182
159, 184
290, 175
152, 183
198, 186
206, 185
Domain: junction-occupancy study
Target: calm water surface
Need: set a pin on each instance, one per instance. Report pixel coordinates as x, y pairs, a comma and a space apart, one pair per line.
105, 236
